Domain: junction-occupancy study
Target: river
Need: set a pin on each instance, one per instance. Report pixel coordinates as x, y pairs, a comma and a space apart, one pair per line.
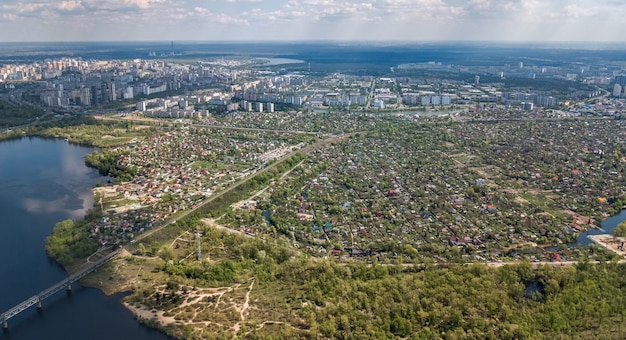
43, 182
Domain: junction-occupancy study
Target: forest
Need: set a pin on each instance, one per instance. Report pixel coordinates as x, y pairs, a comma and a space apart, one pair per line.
107, 164
13, 114
69, 242
296, 296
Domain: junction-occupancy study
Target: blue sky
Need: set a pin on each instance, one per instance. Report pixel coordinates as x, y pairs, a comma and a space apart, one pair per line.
294, 20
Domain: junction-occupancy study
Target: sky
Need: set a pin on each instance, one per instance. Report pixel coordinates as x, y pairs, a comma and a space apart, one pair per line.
306, 20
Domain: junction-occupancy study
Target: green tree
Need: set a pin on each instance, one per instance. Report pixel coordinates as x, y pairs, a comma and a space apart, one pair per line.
620, 230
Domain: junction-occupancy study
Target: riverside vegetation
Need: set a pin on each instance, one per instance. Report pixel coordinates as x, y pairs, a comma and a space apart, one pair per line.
270, 285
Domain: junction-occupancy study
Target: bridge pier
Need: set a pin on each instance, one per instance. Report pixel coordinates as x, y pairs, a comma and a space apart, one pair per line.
36, 300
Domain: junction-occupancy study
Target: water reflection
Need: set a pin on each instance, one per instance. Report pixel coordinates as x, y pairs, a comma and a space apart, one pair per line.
43, 182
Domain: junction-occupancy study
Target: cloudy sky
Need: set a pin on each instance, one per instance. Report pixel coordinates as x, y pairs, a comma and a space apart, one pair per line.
369, 20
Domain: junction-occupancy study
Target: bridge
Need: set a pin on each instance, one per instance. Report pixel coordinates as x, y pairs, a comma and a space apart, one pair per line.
65, 284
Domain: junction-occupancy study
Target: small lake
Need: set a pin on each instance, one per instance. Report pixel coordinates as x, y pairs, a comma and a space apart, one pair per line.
607, 225
268, 217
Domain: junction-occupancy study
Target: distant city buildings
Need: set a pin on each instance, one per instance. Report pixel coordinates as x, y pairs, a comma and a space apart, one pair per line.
232, 85
620, 80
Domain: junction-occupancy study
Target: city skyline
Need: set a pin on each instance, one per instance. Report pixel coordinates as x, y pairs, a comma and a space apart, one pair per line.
297, 20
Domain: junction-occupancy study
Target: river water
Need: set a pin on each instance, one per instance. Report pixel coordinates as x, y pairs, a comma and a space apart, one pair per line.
43, 182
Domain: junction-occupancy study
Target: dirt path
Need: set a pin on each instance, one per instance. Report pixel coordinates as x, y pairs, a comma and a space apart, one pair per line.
211, 222
180, 238
246, 303
243, 309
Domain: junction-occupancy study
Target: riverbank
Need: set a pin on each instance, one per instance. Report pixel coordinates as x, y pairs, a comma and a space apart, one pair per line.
610, 242
48, 182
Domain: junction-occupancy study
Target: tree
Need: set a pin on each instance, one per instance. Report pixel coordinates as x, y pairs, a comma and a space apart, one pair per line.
166, 253
620, 230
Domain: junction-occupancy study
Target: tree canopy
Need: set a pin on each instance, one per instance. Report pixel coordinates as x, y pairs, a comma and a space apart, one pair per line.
620, 230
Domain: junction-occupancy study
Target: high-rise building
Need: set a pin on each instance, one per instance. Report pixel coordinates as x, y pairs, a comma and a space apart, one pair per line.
85, 96
112, 92
620, 80
128, 93
476, 80
617, 90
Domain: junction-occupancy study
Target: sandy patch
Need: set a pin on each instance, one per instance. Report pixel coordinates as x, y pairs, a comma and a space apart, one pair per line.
148, 314
611, 243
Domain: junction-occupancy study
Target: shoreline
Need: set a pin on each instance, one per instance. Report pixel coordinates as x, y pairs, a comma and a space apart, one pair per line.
609, 242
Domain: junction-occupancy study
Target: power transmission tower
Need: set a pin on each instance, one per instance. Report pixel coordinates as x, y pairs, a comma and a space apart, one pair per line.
199, 245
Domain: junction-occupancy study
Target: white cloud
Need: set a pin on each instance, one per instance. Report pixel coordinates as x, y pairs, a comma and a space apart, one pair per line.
9, 16
70, 5
318, 19
227, 19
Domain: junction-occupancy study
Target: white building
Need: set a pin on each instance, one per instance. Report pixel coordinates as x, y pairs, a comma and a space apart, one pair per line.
128, 93
617, 90
379, 104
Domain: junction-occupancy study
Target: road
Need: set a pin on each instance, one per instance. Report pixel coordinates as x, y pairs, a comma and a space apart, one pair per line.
17, 97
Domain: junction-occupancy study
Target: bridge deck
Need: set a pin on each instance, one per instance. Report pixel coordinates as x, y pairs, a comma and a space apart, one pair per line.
22, 306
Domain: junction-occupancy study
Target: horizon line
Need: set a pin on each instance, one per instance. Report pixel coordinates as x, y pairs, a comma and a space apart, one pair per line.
244, 41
